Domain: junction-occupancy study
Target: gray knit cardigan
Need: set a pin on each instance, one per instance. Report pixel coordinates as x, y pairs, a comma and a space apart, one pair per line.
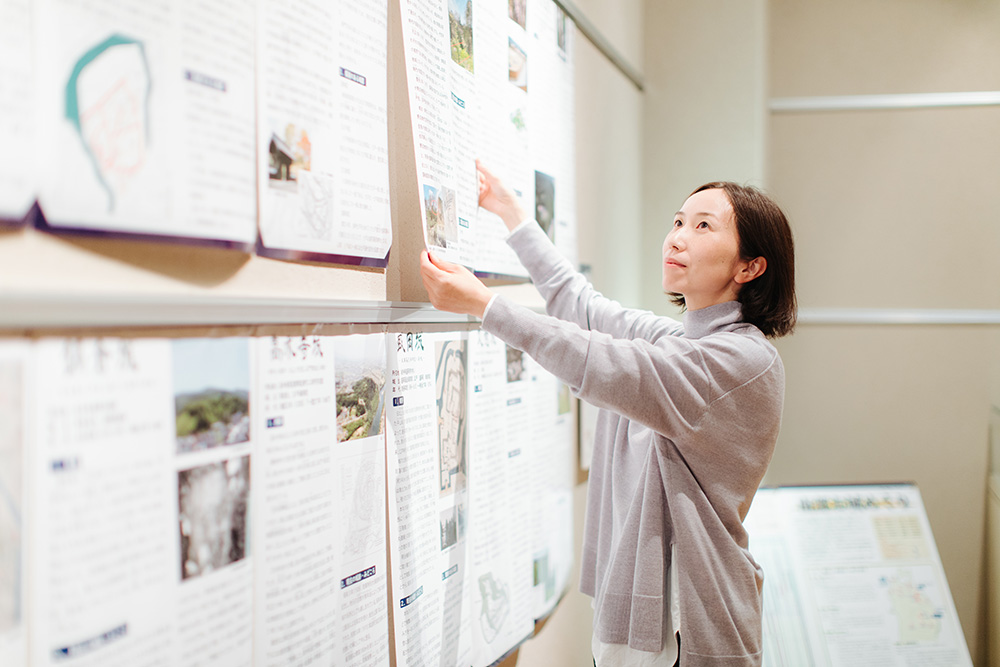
690, 414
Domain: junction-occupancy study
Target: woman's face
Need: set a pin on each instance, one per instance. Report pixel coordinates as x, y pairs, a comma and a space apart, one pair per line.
701, 257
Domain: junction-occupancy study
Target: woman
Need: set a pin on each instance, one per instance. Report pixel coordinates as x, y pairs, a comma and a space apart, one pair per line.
690, 415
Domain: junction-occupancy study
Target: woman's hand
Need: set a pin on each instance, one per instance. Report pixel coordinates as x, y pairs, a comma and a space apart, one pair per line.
497, 198
452, 287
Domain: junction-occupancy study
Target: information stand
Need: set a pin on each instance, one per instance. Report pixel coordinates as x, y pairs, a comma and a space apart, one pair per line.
852, 577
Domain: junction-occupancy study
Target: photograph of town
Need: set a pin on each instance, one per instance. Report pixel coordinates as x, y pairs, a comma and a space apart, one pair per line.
360, 379
211, 392
450, 385
460, 26
212, 513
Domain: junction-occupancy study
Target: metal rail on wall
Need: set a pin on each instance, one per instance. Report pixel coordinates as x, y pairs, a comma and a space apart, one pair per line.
594, 36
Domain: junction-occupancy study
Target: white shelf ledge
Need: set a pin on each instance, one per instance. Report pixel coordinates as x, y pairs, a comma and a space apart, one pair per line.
41, 311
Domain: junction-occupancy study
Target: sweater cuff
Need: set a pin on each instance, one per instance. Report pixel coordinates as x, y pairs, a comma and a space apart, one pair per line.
486, 310
527, 222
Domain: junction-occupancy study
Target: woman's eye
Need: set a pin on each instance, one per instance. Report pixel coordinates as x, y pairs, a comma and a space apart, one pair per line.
677, 223
702, 225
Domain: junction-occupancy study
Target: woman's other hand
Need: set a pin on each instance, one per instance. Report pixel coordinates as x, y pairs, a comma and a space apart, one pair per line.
497, 198
453, 288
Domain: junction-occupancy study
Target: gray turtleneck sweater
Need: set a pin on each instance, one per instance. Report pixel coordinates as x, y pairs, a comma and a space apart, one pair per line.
690, 415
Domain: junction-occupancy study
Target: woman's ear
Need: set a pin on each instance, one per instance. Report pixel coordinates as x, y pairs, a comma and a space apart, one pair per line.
752, 269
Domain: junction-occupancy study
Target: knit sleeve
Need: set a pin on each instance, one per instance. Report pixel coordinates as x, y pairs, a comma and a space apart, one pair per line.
570, 297
667, 385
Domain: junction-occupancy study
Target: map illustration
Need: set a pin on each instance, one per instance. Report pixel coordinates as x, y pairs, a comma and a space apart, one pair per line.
107, 102
495, 596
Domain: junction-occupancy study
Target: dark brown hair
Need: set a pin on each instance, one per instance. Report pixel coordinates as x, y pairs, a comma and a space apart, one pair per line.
768, 301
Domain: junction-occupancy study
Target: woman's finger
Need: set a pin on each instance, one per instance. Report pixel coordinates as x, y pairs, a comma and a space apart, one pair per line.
441, 264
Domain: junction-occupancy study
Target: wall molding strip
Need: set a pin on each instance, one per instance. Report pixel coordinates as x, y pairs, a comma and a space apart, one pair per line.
877, 102
590, 31
897, 316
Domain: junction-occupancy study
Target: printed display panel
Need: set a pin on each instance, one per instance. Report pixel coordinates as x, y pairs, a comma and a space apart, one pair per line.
323, 167
493, 81
145, 128
852, 576
480, 484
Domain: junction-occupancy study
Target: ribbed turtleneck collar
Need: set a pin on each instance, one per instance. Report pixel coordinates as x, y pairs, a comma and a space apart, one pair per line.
701, 322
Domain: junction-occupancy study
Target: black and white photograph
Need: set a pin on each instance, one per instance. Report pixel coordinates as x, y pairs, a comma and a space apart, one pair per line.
213, 515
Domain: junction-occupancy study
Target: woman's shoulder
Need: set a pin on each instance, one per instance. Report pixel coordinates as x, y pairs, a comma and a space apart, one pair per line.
739, 353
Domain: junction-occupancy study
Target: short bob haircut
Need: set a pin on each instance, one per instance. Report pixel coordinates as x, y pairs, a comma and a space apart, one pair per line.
768, 301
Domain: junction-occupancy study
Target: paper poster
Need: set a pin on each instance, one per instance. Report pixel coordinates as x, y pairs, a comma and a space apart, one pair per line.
16, 113
143, 494
298, 525
480, 496
145, 118
323, 168
852, 577
15, 375
540, 454
490, 80
321, 579
501, 508
428, 443
362, 579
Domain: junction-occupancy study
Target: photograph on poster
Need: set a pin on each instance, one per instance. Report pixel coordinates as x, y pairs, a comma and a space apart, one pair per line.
211, 392
433, 207
517, 65
450, 383
460, 24
452, 526
107, 103
360, 380
11, 495
545, 202
212, 503
517, 10
515, 364
289, 154
442, 216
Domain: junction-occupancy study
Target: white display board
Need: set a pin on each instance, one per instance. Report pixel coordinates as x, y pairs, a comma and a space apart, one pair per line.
852, 577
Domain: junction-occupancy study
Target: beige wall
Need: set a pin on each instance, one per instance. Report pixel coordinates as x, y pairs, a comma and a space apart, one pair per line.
703, 112
892, 210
